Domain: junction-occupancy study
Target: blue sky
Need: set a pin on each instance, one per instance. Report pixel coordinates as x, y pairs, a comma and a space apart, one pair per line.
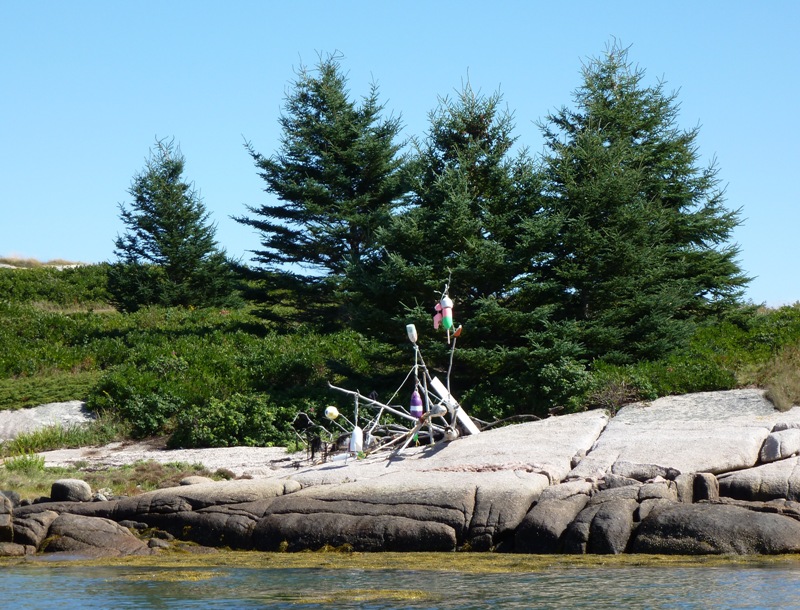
87, 87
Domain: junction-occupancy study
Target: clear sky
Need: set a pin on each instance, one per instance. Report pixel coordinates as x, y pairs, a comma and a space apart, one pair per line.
87, 87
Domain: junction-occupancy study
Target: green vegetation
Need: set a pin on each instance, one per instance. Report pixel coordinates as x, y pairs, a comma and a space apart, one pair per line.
25, 463
101, 431
168, 255
216, 377
27, 475
219, 377
595, 275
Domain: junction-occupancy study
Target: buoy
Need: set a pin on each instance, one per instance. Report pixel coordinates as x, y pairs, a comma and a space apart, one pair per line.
447, 312
416, 404
357, 440
331, 413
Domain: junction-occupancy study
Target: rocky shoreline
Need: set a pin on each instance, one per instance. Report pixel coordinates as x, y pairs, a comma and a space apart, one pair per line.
709, 473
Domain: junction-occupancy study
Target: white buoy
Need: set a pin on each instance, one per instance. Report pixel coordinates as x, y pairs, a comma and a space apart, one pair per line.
357, 440
331, 413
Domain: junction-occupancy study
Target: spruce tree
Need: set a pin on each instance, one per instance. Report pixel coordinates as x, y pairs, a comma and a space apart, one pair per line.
475, 223
336, 180
469, 194
168, 254
641, 250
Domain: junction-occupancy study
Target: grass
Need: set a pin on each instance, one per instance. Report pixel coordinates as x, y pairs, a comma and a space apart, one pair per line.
103, 430
32, 263
781, 378
30, 479
25, 463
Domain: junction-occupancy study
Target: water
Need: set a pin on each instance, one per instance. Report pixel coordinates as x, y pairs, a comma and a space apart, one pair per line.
40, 587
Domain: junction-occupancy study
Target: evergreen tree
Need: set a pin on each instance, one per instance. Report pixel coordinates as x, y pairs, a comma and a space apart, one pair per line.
337, 180
474, 221
469, 194
641, 247
168, 254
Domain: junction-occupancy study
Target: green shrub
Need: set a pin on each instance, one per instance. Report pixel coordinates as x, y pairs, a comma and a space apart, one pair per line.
164, 375
25, 463
83, 284
241, 420
615, 386
98, 432
19, 392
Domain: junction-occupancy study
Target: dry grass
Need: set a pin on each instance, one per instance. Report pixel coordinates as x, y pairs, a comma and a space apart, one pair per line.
781, 378
32, 263
50, 307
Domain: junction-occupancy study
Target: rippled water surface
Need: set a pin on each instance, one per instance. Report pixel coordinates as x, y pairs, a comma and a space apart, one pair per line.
74, 587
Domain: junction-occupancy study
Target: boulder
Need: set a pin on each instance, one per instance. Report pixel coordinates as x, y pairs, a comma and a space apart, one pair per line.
481, 509
11, 495
566, 490
229, 525
92, 536
777, 480
649, 505
70, 490
542, 529
706, 528
6, 519
611, 480
11, 549
501, 502
780, 445
610, 529
665, 490
642, 472
705, 486
33, 529
186, 498
576, 537
296, 532
684, 485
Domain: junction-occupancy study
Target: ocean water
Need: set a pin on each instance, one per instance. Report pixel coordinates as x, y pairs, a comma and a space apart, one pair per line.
71, 587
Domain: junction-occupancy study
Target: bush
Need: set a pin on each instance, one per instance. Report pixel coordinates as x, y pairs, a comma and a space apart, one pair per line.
83, 284
242, 420
166, 375
26, 463
98, 432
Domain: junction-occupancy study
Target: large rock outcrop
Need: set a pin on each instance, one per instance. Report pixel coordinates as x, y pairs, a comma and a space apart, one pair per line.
706, 473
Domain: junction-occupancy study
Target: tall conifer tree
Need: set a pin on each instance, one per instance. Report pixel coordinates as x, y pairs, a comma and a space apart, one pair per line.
641, 250
168, 254
336, 180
